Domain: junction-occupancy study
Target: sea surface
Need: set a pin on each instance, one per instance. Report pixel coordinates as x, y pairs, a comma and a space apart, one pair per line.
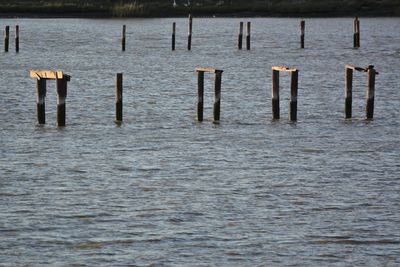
165, 190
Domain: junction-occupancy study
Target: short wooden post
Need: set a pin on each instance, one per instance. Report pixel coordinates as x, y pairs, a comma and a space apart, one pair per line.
217, 99
348, 93
41, 100
6, 38
61, 96
248, 35
118, 98
356, 33
189, 46
293, 96
17, 38
275, 95
123, 37
173, 35
370, 96
200, 95
302, 30
240, 37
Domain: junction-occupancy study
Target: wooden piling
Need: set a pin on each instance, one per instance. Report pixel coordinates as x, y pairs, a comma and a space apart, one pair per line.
200, 95
6, 38
16, 38
61, 96
293, 96
240, 37
118, 98
248, 35
189, 45
370, 95
302, 30
123, 37
356, 33
217, 99
275, 94
173, 35
40, 100
348, 93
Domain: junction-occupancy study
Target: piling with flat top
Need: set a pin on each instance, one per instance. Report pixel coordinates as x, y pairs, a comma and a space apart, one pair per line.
173, 35
370, 95
40, 100
293, 96
189, 45
6, 38
217, 98
240, 37
200, 95
61, 96
356, 33
248, 35
123, 37
17, 38
118, 98
348, 93
302, 30
275, 95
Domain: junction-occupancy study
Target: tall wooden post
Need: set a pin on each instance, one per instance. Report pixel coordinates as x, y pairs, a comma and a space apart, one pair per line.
41, 100
118, 98
302, 30
217, 99
275, 95
61, 96
200, 95
293, 96
348, 93
189, 46
17, 38
248, 35
173, 35
240, 37
356, 33
370, 96
123, 37
6, 38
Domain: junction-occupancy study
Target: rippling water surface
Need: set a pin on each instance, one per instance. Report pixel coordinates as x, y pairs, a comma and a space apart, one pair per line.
164, 190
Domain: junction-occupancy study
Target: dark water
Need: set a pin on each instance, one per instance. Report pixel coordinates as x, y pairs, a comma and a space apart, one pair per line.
164, 190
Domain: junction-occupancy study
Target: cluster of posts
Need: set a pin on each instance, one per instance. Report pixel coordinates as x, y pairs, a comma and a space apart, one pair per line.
42, 76
7, 38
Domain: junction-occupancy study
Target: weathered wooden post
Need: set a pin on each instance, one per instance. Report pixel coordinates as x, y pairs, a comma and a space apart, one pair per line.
302, 30
217, 93
275, 94
173, 35
248, 35
189, 46
123, 37
61, 96
200, 95
118, 98
356, 33
217, 98
41, 100
293, 95
240, 37
293, 92
370, 95
348, 93
6, 38
17, 38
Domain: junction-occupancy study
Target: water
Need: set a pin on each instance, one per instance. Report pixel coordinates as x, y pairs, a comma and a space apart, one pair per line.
164, 190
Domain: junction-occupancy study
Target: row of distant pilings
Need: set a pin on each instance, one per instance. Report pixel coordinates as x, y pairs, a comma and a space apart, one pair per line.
356, 35
42, 76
